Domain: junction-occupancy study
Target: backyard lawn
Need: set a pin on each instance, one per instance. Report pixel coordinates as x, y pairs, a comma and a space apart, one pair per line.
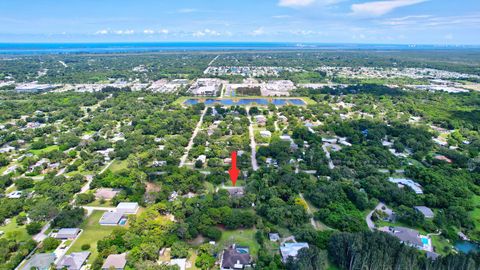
13, 231
44, 150
475, 214
118, 165
240, 238
92, 232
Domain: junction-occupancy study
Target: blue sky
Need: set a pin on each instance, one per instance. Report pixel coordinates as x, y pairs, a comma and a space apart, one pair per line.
324, 21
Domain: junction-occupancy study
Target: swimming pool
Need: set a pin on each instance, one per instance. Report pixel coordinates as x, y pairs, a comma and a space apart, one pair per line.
122, 222
247, 101
425, 241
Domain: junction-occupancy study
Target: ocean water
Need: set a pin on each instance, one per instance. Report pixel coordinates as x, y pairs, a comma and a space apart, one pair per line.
101, 48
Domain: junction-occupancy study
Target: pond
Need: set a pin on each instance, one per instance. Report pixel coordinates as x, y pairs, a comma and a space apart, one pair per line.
466, 246
247, 101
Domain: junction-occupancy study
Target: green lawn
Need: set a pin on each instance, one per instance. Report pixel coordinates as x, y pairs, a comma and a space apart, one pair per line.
209, 187
44, 150
97, 203
241, 238
118, 165
92, 232
475, 214
13, 231
439, 242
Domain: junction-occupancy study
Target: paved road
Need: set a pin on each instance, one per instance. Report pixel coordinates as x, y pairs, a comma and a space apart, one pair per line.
213, 60
253, 145
327, 154
190, 143
90, 209
368, 219
276, 126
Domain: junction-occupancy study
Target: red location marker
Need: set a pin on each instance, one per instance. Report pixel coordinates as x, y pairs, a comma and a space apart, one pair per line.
234, 171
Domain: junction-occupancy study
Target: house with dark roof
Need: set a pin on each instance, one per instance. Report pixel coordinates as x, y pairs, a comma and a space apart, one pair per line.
426, 212
67, 233
73, 261
235, 257
407, 236
115, 261
291, 250
40, 261
236, 192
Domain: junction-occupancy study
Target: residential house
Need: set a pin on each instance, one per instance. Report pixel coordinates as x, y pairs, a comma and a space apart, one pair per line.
40, 261
15, 194
67, 233
181, 263
426, 212
265, 134
291, 250
129, 208
202, 158
111, 218
106, 193
407, 236
236, 192
74, 261
115, 261
261, 120
274, 237
235, 257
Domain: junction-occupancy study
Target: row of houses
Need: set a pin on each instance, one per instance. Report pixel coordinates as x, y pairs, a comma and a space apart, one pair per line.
73, 261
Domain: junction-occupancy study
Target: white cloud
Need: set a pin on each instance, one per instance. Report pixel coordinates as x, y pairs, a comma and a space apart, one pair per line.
206, 32
101, 32
306, 3
258, 32
148, 31
295, 3
281, 16
379, 8
164, 31
124, 32
429, 21
187, 10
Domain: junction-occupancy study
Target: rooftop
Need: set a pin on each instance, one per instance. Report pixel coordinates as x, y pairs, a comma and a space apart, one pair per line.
116, 261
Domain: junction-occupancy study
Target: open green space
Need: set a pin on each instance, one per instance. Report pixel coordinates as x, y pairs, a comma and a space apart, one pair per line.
240, 238
44, 150
13, 231
118, 165
92, 233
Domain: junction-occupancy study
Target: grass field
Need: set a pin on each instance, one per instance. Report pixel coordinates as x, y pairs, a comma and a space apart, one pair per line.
440, 244
44, 150
13, 231
475, 214
118, 165
241, 238
92, 232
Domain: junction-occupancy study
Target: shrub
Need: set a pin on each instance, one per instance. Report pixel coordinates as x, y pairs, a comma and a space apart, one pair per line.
34, 228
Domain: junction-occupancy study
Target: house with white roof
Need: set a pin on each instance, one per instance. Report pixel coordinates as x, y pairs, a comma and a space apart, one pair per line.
128, 208
291, 250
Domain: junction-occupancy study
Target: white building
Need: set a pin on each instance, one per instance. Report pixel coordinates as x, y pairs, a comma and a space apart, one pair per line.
127, 208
